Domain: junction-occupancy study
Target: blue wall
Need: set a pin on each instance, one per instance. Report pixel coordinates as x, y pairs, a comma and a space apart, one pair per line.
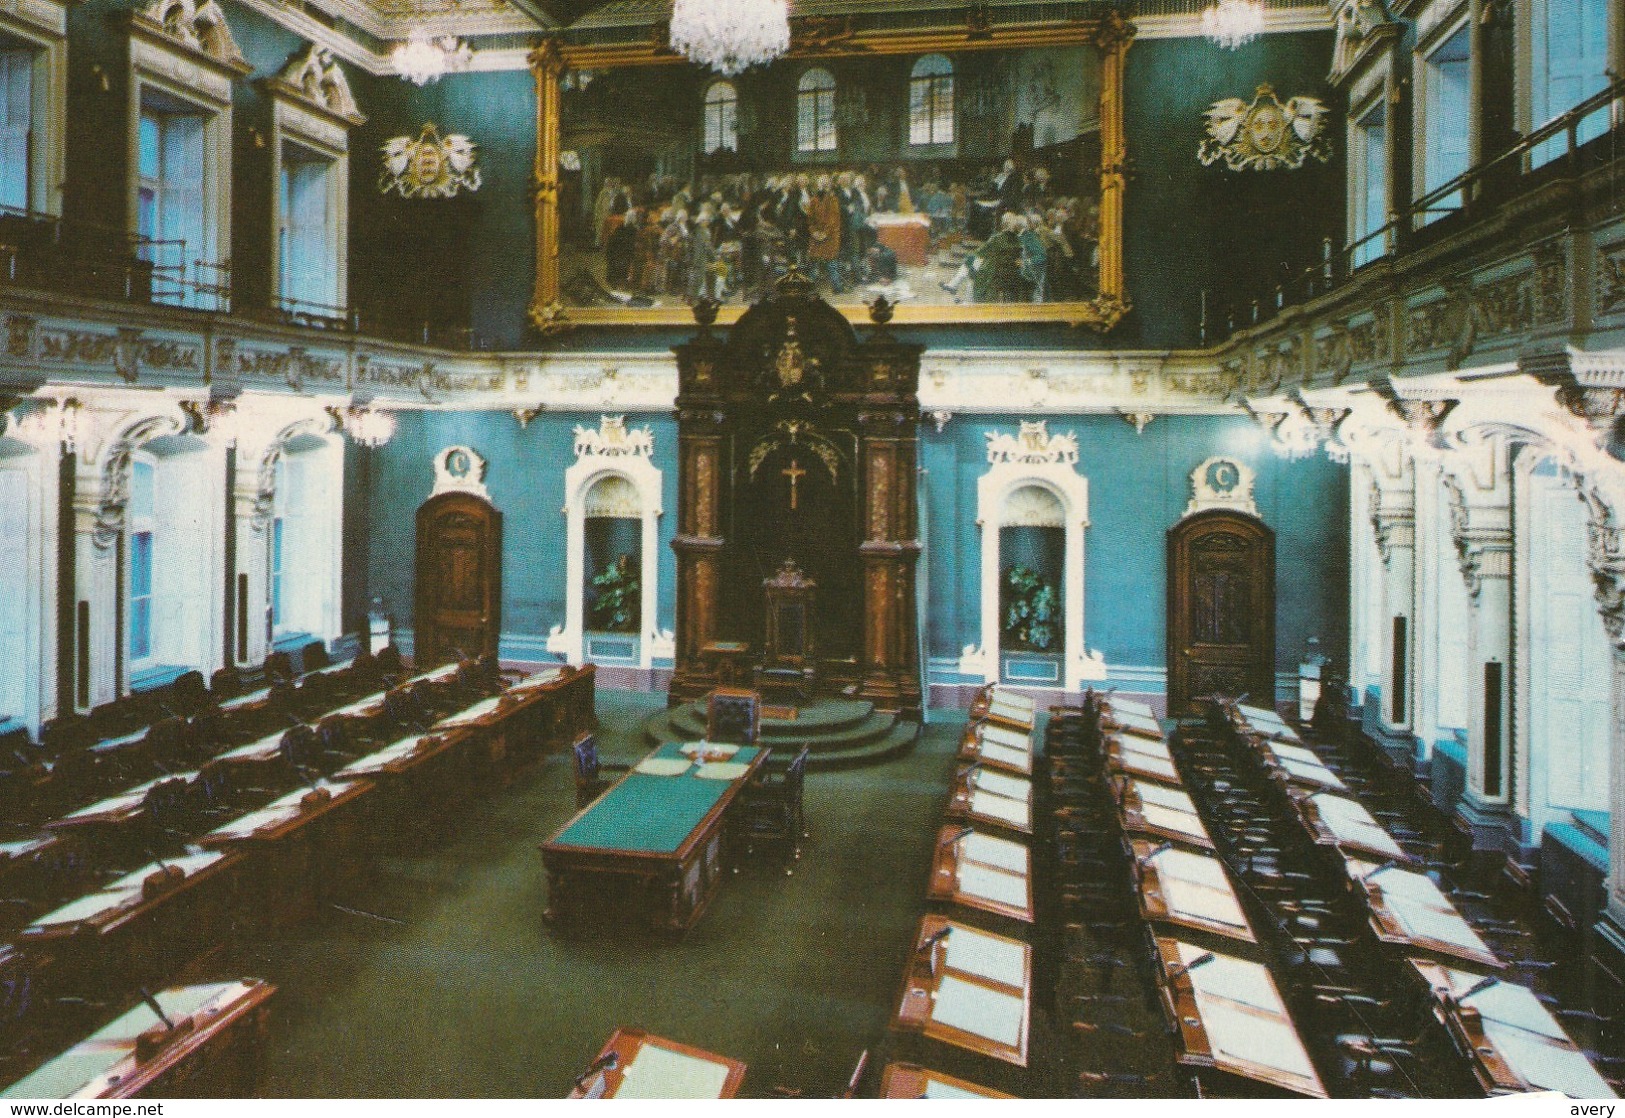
525, 476
1138, 488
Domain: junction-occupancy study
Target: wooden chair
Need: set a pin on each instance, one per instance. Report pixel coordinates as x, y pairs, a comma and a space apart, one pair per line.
279, 668
734, 716
771, 811
314, 657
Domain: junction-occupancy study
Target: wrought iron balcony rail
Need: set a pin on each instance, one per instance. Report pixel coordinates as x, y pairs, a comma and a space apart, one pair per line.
1444, 211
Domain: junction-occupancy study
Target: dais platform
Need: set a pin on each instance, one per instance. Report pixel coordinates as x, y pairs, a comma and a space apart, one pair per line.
842, 733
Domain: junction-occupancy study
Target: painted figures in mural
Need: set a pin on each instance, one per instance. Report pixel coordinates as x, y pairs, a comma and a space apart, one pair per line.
998, 204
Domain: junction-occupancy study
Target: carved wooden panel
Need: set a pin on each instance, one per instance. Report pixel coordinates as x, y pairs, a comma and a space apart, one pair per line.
1221, 609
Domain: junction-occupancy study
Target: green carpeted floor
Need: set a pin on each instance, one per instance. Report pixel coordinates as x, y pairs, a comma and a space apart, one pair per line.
472, 994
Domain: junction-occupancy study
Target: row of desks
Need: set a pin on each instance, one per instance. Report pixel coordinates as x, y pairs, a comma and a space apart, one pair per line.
277, 863
1508, 1038
1218, 994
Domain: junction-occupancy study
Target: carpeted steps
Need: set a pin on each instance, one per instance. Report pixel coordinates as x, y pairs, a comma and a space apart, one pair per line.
840, 733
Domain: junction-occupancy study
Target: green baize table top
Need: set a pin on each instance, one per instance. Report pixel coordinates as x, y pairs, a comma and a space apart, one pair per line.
649, 814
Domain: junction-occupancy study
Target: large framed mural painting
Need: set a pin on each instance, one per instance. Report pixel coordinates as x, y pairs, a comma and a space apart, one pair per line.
972, 175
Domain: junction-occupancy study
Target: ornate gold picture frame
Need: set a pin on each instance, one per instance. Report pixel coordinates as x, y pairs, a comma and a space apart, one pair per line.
907, 253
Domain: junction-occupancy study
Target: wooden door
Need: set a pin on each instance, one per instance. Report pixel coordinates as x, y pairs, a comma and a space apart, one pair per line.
459, 579
1221, 609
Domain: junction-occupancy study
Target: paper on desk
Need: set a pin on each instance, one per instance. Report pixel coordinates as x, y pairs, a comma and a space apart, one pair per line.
1120, 705
1266, 1042
539, 679
84, 908
1151, 765
1000, 807
660, 1073
1000, 784
709, 748
998, 1016
996, 852
722, 770
1177, 822
1171, 798
1204, 902
971, 952
1003, 735
663, 766
1546, 1065
375, 762
976, 880
266, 747
1236, 980
474, 713
1140, 723
1004, 755
361, 706
1004, 697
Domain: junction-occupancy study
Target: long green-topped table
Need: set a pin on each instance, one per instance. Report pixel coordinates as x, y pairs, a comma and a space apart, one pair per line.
657, 833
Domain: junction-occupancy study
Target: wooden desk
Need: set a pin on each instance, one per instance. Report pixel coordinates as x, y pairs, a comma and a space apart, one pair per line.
303, 848
1409, 912
214, 1051
728, 659
982, 872
911, 1081
970, 989
1510, 1040
1229, 1016
998, 747
1145, 808
1189, 891
1295, 765
142, 927
1004, 706
652, 1067
658, 831
1144, 758
996, 800
1346, 826
114, 811
1113, 720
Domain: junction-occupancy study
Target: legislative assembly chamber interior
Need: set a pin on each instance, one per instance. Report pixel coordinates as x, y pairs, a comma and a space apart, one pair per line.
812, 549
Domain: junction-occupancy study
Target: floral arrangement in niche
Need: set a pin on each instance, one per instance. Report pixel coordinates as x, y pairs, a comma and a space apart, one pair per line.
1031, 611
617, 597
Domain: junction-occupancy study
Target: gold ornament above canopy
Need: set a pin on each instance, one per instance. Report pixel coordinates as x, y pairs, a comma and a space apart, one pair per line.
1265, 135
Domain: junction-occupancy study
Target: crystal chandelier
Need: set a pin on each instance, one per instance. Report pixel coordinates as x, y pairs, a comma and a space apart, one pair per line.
369, 427
424, 58
730, 35
1233, 23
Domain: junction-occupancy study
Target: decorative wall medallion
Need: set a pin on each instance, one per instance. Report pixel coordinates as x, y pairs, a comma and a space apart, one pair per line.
458, 469
429, 167
1222, 483
613, 439
1266, 135
1034, 446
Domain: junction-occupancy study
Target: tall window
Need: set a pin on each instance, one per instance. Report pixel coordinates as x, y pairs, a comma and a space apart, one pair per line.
1368, 190
141, 528
307, 240
721, 117
931, 101
1447, 130
815, 111
1568, 62
16, 124
169, 196
278, 522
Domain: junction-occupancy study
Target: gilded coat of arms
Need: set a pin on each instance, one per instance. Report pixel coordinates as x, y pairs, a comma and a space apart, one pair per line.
429, 166
1266, 134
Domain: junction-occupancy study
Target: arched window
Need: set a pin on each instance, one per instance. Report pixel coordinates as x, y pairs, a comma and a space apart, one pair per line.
931, 101
815, 111
721, 117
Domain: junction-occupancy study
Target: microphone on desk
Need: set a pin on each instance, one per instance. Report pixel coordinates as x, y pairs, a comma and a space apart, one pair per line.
1478, 987
609, 1061
933, 939
970, 770
957, 835
1150, 855
1177, 972
152, 1004
1384, 868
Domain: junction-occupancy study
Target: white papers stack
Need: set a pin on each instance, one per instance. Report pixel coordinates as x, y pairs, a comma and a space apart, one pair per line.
710, 749
1196, 887
1003, 735
722, 770
663, 766
976, 880
1017, 759
1349, 822
971, 952
999, 853
1138, 723
991, 806
998, 1016
660, 1073
1119, 705
1000, 784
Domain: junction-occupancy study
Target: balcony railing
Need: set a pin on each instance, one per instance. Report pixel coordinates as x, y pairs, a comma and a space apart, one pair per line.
1443, 211
70, 257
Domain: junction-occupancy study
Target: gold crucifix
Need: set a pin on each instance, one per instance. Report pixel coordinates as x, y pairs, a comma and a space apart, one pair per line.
795, 473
